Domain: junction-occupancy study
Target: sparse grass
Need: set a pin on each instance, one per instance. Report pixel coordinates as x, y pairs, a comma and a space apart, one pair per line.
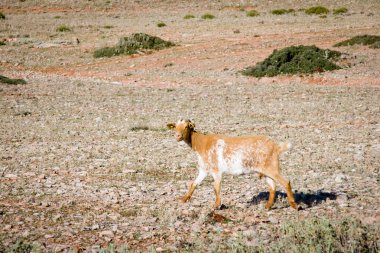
63, 28
208, 16
189, 16
21, 247
137, 42
317, 10
309, 235
361, 39
326, 235
57, 17
106, 52
139, 128
161, 24
340, 11
282, 11
294, 60
4, 79
252, 13
2, 16
113, 248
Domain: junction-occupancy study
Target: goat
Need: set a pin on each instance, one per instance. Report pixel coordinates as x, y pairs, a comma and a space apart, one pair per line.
218, 154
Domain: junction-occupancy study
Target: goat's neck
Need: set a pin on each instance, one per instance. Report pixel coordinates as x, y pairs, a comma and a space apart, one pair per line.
196, 140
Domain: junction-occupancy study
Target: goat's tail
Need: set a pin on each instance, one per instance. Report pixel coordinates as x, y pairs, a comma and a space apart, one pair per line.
283, 146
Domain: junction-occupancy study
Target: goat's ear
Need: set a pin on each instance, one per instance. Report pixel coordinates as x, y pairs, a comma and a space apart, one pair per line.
170, 125
191, 125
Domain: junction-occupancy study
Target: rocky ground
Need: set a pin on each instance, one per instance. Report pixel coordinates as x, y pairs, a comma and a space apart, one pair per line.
86, 160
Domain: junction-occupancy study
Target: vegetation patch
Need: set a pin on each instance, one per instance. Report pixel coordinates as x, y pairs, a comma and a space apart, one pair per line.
2, 43
282, 11
137, 42
63, 28
4, 79
295, 60
2, 16
375, 45
340, 11
189, 16
208, 16
361, 39
326, 235
161, 24
317, 10
252, 13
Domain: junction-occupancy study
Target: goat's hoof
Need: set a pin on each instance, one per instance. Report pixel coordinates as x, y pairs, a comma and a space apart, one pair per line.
294, 205
220, 207
268, 206
183, 200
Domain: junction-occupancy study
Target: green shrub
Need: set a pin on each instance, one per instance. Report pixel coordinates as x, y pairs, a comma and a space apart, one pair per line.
361, 39
340, 10
326, 235
252, 13
294, 60
188, 16
21, 247
282, 11
2, 16
133, 44
208, 16
4, 79
2, 43
317, 10
161, 24
63, 28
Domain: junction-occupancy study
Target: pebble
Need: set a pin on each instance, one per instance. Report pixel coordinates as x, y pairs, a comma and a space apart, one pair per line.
340, 178
106, 233
12, 176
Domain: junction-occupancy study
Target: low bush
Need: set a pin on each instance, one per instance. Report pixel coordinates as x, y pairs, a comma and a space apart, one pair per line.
63, 28
208, 16
326, 235
137, 42
317, 10
2, 16
282, 11
361, 39
161, 24
252, 13
188, 16
295, 60
340, 10
4, 79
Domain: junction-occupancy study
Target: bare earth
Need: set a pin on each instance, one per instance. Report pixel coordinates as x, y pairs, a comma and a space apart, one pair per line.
86, 160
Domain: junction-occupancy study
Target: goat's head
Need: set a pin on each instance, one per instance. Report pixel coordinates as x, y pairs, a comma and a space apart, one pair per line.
183, 129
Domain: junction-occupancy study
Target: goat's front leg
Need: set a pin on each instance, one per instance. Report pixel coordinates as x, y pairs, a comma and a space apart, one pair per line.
201, 175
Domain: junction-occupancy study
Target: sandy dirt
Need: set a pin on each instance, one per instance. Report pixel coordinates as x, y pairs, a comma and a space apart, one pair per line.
86, 160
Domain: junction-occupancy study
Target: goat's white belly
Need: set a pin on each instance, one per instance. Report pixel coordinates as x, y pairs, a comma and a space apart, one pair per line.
233, 164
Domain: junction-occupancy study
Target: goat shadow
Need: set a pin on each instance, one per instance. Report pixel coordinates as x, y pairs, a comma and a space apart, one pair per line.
309, 199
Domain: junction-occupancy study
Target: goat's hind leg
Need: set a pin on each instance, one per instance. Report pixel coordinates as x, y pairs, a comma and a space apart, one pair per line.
198, 180
274, 173
272, 192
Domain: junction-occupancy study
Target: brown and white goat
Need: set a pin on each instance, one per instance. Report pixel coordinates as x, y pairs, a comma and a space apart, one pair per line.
218, 154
